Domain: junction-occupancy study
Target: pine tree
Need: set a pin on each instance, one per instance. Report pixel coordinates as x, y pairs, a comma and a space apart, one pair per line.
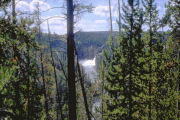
25, 72
173, 11
160, 95
151, 37
122, 80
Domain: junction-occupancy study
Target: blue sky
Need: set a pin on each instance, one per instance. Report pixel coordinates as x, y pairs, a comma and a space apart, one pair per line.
98, 20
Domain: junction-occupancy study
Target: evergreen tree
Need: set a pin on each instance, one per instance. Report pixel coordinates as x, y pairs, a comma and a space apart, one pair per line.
14, 92
173, 11
123, 77
160, 95
151, 19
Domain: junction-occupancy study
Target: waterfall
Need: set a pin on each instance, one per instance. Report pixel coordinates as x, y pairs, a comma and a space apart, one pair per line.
89, 66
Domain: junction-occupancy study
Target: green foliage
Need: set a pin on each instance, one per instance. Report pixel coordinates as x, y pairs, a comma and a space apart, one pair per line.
88, 43
141, 78
140, 74
4, 3
123, 80
19, 70
173, 11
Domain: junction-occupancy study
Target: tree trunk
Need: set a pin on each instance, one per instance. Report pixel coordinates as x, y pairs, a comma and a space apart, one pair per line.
150, 25
130, 61
55, 75
28, 81
44, 86
14, 11
102, 92
81, 78
110, 15
42, 67
178, 80
119, 9
70, 61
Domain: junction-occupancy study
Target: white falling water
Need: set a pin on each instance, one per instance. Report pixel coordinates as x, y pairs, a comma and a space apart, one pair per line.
89, 66
90, 63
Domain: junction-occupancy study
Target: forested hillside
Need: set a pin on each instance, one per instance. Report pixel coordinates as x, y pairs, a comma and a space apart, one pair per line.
88, 43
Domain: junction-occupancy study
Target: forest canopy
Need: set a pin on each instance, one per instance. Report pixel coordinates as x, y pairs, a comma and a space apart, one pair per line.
89, 60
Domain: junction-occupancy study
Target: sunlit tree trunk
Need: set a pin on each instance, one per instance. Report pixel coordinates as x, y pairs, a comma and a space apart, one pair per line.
119, 10
110, 16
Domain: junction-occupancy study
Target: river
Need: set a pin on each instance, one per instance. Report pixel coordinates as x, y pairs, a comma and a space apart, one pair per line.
89, 66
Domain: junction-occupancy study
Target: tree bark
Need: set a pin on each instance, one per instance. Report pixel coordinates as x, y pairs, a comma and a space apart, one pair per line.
150, 44
55, 74
110, 15
81, 78
14, 11
119, 9
130, 60
178, 59
46, 107
102, 92
44, 86
28, 81
70, 61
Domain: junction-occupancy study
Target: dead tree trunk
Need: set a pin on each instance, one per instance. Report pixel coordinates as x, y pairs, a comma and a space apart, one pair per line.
28, 81
55, 75
150, 67
119, 9
70, 61
110, 15
62, 68
46, 107
81, 78
44, 85
102, 92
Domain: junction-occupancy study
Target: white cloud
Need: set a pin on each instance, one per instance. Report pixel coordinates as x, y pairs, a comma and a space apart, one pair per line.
31, 6
114, 22
86, 25
57, 25
101, 10
100, 21
43, 5
22, 6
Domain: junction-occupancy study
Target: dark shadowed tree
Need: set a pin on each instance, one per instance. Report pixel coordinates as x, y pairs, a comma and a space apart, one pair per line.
70, 61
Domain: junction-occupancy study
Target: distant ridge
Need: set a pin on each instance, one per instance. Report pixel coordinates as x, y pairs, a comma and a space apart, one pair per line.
87, 42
